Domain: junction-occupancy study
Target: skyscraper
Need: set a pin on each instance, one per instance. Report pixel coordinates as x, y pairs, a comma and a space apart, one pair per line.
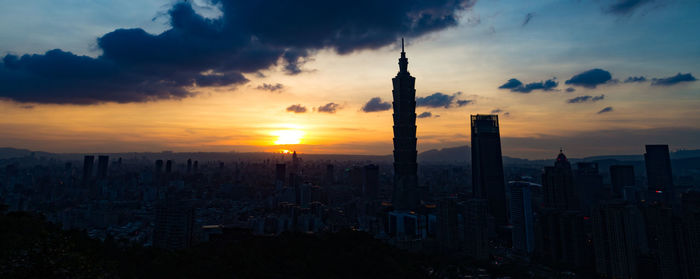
621, 177
370, 181
521, 217
660, 178
405, 166
487, 166
558, 185
88, 163
102, 164
620, 238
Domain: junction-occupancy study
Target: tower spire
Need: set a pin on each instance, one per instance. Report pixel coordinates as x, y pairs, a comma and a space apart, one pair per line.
403, 61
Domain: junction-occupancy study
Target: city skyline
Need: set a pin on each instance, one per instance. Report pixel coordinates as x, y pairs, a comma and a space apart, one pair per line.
493, 58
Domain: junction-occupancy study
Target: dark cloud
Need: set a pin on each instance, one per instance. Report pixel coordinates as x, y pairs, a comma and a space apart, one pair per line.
623, 7
197, 52
376, 104
668, 81
635, 79
298, 108
494, 111
270, 87
517, 86
570, 89
604, 110
528, 17
437, 100
585, 99
591, 78
329, 108
461, 103
511, 84
425, 114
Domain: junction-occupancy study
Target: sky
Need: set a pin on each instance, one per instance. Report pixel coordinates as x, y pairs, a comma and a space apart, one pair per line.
592, 77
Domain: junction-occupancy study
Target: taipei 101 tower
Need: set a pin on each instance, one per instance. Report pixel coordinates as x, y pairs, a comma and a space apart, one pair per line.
405, 167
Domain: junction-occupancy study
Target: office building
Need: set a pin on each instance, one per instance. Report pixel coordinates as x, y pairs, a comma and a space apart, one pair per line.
488, 181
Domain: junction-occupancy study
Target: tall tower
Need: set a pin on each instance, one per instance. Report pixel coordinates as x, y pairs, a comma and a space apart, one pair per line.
405, 166
488, 181
659, 176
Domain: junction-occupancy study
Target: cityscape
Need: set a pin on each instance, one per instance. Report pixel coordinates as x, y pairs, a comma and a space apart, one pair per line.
475, 206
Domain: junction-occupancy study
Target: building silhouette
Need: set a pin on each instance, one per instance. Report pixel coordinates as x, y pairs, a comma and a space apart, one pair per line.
370, 181
174, 224
659, 176
405, 166
622, 182
558, 185
488, 181
102, 165
280, 174
88, 163
521, 216
588, 185
620, 239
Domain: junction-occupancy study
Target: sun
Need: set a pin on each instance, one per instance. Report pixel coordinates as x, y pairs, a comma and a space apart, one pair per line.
288, 136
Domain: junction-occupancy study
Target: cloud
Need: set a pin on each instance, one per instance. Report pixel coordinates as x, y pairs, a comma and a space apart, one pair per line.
668, 81
606, 109
528, 17
298, 108
591, 78
197, 52
570, 89
494, 111
329, 108
270, 87
461, 103
585, 99
437, 100
376, 104
517, 86
425, 114
635, 79
511, 84
623, 7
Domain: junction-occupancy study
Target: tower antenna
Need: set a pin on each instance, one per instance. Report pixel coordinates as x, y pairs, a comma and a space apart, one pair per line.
402, 44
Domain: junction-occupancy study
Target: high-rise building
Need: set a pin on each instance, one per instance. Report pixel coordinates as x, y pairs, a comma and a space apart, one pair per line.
280, 174
659, 176
102, 164
476, 225
88, 163
168, 166
330, 175
521, 216
488, 181
174, 224
189, 165
405, 166
622, 177
558, 185
448, 223
620, 239
159, 167
588, 185
370, 181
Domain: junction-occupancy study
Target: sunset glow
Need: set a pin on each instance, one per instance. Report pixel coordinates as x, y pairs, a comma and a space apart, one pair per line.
288, 136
